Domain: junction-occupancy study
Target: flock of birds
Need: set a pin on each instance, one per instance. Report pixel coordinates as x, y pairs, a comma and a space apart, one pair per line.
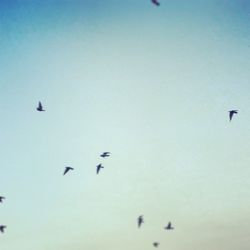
140, 219
40, 108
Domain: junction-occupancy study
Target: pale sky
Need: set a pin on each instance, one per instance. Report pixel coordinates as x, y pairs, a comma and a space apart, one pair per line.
152, 85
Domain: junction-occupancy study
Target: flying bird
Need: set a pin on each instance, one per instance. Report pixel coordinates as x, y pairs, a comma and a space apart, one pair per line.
169, 226
2, 198
156, 244
231, 113
2, 227
67, 170
105, 154
40, 107
98, 168
155, 2
140, 220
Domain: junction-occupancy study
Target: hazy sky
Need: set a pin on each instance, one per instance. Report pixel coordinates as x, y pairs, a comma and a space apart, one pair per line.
153, 85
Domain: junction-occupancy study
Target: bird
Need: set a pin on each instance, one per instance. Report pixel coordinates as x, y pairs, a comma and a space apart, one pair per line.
140, 221
98, 168
105, 154
2, 198
231, 113
169, 226
155, 2
67, 170
156, 244
2, 227
40, 107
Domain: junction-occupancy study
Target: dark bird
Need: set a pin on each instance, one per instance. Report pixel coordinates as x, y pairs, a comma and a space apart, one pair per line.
169, 226
2, 198
2, 227
231, 113
40, 107
156, 244
67, 170
140, 220
105, 154
98, 168
155, 2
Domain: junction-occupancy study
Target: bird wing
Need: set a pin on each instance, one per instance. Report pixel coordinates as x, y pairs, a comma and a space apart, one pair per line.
231, 115
140, 221
40, 105
65, 171
98, 168
168, 226
155, 2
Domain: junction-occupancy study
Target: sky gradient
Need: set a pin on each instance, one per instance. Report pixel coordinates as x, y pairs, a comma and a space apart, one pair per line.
152, 85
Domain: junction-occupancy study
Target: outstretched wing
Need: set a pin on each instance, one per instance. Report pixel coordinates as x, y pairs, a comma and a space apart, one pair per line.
230, 115
140, 220
155, 2
98, 167
66, 170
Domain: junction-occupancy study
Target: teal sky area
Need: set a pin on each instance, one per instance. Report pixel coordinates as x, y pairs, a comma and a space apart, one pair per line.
152, 85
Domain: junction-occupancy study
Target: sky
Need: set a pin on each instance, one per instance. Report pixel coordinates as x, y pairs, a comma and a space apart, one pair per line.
152, 85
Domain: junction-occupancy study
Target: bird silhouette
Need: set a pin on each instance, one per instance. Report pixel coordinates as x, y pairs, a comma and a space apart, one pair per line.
231, 113
2, 227
2, 198
156, 244
67, 170
105, 154
98, 168
140, 221
155, 2
40, 107
169, 226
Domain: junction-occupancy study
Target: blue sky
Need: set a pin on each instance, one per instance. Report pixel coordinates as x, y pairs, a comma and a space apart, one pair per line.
153, 85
